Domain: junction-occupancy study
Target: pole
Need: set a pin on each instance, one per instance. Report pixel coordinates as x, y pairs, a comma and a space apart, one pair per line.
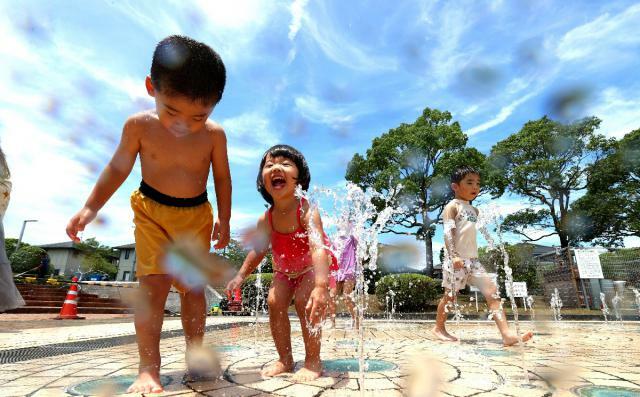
24, 225
574, 276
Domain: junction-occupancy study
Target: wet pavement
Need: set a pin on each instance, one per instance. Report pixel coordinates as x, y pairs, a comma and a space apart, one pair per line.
404, 358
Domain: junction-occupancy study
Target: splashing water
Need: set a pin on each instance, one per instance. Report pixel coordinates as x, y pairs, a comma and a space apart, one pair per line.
636, 293
556, 305
605, 308
353, 212
391, 310
491, 215
616, 301
530, 303
259, 297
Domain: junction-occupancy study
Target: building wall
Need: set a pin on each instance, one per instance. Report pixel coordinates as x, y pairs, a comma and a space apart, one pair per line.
66, 261
126, 265
58, 259
73, 262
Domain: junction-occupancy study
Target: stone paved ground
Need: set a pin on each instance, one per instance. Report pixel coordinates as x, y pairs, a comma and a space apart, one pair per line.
561, 357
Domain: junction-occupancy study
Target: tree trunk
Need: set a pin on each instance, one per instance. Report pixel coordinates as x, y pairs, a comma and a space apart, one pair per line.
428, 245
564, 239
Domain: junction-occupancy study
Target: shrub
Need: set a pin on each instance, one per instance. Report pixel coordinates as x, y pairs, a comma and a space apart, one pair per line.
249, 291
413, 291
26, 258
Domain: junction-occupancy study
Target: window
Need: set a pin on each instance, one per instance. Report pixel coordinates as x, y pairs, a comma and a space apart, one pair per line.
125, 276
126, 254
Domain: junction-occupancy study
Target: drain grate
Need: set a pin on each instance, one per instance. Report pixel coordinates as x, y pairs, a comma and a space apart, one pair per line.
31, 353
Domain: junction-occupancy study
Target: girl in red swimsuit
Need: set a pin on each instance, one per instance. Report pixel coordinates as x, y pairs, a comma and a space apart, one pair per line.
301, 259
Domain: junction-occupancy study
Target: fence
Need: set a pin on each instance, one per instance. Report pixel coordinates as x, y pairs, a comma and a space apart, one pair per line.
558, 270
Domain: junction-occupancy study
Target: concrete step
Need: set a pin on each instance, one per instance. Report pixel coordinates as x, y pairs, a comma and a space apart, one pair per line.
80, 304
81, 311
60, 295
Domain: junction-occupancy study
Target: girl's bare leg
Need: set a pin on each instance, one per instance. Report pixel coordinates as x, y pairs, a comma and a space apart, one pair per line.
279, 298
312, 364
333, 297
347, 290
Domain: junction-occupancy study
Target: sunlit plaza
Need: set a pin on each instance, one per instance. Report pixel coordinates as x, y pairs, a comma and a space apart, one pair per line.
320, 198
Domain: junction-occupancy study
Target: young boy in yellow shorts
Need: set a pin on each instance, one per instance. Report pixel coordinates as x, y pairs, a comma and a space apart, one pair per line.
178, 146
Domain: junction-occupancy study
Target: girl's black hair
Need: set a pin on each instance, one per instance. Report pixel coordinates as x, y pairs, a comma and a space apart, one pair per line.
288, 152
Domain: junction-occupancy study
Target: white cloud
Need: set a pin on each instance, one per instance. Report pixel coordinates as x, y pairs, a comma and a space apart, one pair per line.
447, 29
605, 34
235, 15
619, 115
337, 46
248, 136
504, 113
297, 10
470, 109
317, 111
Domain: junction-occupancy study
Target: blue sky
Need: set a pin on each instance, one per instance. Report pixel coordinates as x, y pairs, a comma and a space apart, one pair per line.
326, 77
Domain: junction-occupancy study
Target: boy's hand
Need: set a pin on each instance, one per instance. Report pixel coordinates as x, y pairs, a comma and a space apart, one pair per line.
317, 304
235, 283
220, 234
79, 221
458, 263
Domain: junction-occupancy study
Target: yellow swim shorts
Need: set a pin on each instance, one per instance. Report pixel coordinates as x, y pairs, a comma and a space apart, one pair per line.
157, 225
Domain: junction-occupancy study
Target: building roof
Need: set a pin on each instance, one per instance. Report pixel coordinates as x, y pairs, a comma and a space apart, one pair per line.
539, 250
63, 245
126, 246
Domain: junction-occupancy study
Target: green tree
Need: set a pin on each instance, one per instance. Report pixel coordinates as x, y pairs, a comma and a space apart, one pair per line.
234, 253
10, 245
92, 245
610, 210
420, 156
546, 161
521, 262
26, 258
98, 257
95, 262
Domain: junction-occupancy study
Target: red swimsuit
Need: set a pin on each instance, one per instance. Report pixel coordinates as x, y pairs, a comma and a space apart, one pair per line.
292, 254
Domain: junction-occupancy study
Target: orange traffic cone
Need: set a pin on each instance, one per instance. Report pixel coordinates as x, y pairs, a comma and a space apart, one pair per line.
69, 309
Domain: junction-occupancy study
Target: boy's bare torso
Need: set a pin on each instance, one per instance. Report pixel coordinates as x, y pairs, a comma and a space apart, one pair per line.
176, 166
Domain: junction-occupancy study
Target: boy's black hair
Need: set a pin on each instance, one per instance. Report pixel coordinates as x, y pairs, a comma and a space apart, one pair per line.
460, 172
183, 66
288, 152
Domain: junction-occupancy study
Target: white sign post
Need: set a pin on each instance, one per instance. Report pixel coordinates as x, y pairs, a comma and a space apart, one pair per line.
519, 291
473, 288
588, 261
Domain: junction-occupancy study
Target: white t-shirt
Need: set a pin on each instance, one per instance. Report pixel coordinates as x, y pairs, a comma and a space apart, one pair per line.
460, 219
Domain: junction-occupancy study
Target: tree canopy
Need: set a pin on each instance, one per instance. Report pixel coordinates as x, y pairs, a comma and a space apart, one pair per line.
610, 210
547, 162
420, 156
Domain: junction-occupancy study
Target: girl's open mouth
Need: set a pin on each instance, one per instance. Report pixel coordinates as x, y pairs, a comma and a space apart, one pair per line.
278, 182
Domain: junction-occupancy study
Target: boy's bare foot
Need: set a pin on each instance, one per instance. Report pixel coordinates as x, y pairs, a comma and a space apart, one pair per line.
443, 335
277, 368
146, 382
513, 339
310, 371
